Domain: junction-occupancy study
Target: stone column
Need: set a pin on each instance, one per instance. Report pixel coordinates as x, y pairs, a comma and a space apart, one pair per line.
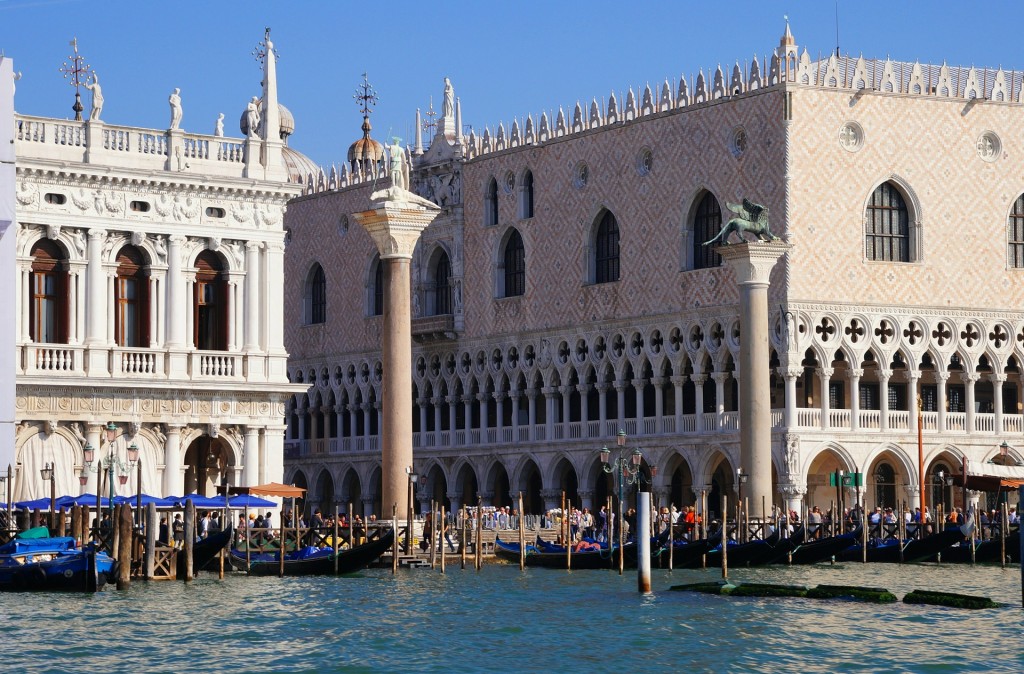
854, 376
583, 389
251, 456
481, 401
174, 483
566, 392
883, 400
531, 397
586, 499
272, 469
912, 378
720, 378
96, 306
552, 498
659, 402
549, 412
620, 403
436, 402
940, 400
177, 302
969, 379
467, 414
794, 496
752, 264
514, 418
452, 402
790, 374
395, 224
698, 399
997, 380
677, 381
824, 377
638, 394
499, 415
602, 408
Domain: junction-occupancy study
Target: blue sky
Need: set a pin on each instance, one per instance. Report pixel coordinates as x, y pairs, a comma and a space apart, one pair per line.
504, 59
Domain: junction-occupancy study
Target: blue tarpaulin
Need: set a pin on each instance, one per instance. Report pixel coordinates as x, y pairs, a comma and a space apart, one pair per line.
199, 501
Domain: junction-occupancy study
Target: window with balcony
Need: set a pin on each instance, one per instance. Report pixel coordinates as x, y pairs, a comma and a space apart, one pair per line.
48, 305
210, 303
131, 299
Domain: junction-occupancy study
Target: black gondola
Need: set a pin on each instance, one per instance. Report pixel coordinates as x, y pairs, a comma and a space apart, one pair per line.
914, 550
551, 556
812, 552
204, 552
313, 562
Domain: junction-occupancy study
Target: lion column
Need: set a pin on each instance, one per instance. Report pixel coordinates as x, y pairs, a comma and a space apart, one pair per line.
395, 226
752, 263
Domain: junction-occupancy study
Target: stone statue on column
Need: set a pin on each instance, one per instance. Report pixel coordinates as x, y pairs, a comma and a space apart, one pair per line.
174, 100
97, 97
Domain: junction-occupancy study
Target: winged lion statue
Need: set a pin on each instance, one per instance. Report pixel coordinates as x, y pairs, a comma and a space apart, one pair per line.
752, 218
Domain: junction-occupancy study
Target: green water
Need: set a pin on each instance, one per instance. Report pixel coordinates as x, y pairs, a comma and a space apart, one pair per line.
501, 619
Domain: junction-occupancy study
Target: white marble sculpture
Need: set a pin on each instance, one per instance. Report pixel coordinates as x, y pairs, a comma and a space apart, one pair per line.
218, 129
175, 102
97, 97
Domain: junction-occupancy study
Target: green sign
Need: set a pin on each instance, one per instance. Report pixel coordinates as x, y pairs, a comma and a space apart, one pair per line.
849, 479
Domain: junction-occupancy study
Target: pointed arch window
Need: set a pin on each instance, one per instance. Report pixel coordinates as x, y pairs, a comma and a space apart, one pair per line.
515, 265
48, 306
707, 222
442, 291
1015, 243
131, 299
377, 299
526, 196
491, 203
315, 296
606, 249
210, 303
887, 226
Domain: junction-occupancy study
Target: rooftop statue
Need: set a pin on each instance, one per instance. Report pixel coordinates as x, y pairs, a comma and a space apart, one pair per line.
218, 128
175, 102
97, 97
753, 218
399, 190
448, 107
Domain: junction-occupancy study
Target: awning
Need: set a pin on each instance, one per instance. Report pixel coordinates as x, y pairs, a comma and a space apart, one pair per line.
990, 477
250, 501
271, 489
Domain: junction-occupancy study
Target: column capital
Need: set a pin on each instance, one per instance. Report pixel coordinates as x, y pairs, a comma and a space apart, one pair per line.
251, 430
437, 400
969, 377
451, 400
793, 490
825, 372
855, 373
566, 390
396, 223
583, 389
791, 372
997, 377
752, 261
500, 396
720, 377
253, 246
678, 379
549, 390
659, 381
638, 383
698, 379
885, 374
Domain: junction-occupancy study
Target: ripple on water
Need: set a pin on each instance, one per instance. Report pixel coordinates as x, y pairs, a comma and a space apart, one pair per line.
470, 621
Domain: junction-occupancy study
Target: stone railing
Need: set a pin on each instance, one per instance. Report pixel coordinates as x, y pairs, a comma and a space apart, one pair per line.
94, 142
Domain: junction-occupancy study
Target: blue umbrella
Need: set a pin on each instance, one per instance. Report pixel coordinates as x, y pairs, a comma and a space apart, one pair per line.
197, 500
83, 500
147, 499
37, 504
250, 501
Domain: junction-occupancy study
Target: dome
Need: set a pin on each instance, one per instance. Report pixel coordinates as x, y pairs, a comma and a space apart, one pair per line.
299, 166
366, 148
287, 121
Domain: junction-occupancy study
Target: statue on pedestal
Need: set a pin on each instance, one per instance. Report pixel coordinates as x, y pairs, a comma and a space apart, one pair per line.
97, 97
175, 102
753, 218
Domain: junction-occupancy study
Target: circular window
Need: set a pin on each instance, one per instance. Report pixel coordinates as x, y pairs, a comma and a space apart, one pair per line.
989, 146
645, 161
581, 174
510, 182
851, 136
739, 142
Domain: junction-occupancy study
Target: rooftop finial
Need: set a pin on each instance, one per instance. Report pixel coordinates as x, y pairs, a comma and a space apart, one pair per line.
431, 123
366, 97
76, 71
260, 51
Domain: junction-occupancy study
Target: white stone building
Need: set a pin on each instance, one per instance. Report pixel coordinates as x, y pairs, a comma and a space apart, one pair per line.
8, 317
565, 292
148, 296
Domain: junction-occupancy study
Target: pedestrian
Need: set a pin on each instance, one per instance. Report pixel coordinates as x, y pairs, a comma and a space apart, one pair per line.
178, 531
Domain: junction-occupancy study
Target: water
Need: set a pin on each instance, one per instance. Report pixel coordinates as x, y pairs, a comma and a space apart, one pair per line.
503, 620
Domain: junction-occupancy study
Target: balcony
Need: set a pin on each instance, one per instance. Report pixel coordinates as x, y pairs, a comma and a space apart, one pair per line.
434, 328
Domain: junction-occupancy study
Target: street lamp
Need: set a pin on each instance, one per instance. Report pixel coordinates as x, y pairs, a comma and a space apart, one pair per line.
408, 511
1004, 452
626, 469
47, 474
110, 465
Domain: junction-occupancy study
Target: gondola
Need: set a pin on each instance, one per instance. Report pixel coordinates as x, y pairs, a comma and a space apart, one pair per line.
53, 564
204, 552
753, 553
552, 556
316, 562
684, 553
812, 552
914, 550
985, 552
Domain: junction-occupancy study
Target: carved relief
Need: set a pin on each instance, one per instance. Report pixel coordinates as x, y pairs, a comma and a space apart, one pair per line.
28, 194
242, 213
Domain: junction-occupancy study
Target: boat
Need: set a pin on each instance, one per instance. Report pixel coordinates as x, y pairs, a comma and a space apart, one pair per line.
914, 550
310, 561
205, 551
684, 553
812, 552
552, 556
985, 552
53, 563
757, 552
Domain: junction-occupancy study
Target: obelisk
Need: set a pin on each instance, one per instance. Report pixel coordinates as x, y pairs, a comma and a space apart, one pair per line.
752, 264
395, 223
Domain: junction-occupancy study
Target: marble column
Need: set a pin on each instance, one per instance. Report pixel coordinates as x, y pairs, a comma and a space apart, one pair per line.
854, 376
824, 377
940, 400
913, 377
969, 379
96, 285
174, 480
395, 224
250, 456
883, 400
531, 398
677, 381
698, 400
602, 408
752, 264
720, 378
997, 380
790, 374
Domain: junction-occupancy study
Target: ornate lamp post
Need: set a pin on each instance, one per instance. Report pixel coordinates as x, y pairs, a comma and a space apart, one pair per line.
47, 474
408, 511
110, 465
626, 469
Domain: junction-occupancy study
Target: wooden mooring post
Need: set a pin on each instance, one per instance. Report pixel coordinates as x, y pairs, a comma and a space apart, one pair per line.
440, 536
335, 543
151, 527
522, 534
478, 545
124, 547
394, 543
462, 536
725, 539
190, 537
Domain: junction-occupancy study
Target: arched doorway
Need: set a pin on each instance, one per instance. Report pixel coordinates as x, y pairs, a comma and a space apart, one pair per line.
351, 492
325, 492
466, 485
533, 501
207, 464
299, 480
568, 483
